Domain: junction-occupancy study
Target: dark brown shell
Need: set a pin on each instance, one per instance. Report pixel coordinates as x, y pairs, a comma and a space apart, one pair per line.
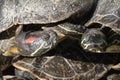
66, 62
39, 11
107, 14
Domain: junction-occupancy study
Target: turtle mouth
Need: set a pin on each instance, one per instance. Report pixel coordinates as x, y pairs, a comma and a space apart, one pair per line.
94, 48
98, 50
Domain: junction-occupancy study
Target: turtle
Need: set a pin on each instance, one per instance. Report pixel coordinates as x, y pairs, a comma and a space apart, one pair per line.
10, 42
74, 29
32, 43
25, 14
21, 14
6, 41
37, 43
105, 16
103, 23
23, 65
5, 62
80, 10
64, 63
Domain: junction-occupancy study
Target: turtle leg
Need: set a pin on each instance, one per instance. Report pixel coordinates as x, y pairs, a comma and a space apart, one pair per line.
113, 77
113, 42
116, 67
1, 77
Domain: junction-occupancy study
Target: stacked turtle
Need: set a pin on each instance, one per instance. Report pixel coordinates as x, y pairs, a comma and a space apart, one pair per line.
68, 61
6, 42
40, 12
43, 24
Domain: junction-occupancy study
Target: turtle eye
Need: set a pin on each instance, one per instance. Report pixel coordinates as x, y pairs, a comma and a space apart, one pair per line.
46, 37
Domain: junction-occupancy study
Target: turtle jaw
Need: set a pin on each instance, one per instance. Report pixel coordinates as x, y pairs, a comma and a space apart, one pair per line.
93, 48
96, 50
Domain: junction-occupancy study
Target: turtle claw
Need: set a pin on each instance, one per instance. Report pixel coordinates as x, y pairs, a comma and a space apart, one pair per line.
116, 67
13, 51
113, 49
114, 77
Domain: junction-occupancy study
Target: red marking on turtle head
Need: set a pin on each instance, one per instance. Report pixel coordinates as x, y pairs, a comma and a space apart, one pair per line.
30, 40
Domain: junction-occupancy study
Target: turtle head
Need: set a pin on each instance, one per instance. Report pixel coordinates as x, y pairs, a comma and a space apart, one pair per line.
35, 43
93, 40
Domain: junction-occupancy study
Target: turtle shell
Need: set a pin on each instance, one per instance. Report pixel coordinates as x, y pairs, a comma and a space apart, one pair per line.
39, 11
64, 63
107, 14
